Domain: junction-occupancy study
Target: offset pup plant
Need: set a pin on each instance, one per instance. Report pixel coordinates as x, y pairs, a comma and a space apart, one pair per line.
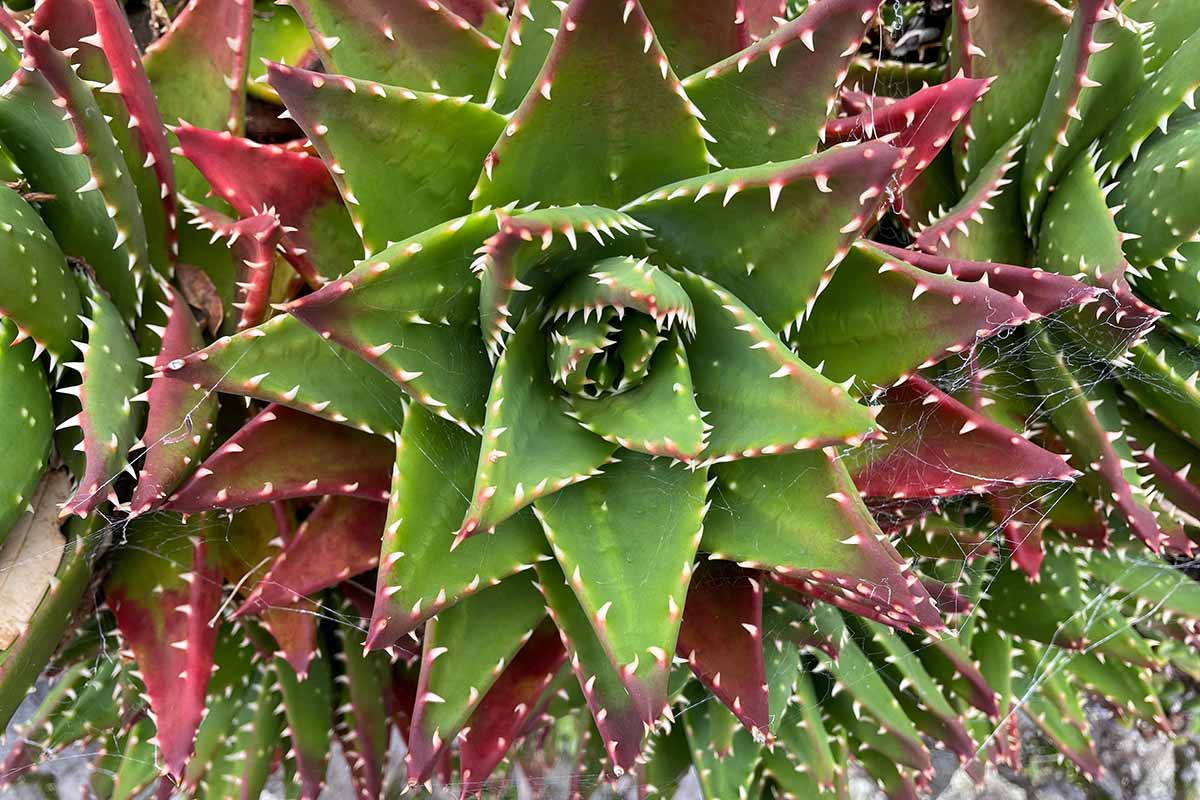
566, 367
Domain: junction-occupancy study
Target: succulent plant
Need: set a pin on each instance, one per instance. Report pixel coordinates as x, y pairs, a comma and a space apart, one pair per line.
561, 368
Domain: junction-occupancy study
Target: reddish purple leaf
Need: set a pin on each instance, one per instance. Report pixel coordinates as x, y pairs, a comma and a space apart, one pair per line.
163, 591
502, 714
339, 539
721, 638
1041, 292
923, 121
293, 183
283, 453
253, 242
180, 418
938, 447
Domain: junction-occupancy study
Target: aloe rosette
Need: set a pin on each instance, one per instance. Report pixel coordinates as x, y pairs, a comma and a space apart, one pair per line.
545, 373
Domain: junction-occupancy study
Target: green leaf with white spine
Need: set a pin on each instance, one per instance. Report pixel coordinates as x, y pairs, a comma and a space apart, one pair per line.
729, 770
738, 227
411, 312
1122, 685
1168, 88
38, 294
531, 448
282, 361
27, 428
1172, 24
1157, 194
807, 520
308, 709
616, 714
76, 160
658, 416
1017, 42
633, 597
524, 50
1052, 610
466, 648
882, 318
1158, 588
607, 135
404, 161
1163, 380
761, 399
419, 575
770, 101
407, 43
1174, 289
1102, 50
111, 379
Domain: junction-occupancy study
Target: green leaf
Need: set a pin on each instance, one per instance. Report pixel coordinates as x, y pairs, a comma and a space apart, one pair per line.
615, 712
1163, 380
659, 416
198, 70
1017, 43
769, 102
531, 448
808, 523
629, 559
282, 361
739, 227
726, 772
419, 575
411, 312
1074, 111
37, 294
695, 35
526, 44
466, 648
406, 43
404, 161
308, 709
110, 380
27, 428
760, 398
882, 318
57, 135
605, 135
1052, 610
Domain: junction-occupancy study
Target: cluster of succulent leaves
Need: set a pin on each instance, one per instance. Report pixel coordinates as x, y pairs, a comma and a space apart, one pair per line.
604, 387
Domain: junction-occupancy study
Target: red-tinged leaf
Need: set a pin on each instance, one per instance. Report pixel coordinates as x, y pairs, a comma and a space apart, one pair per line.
419, 575
253, 242
1041, 292
923, 122
116, 39
500, 717
761, 16
612, 708
281, 454
882, 318
985, 223
420, 45
738, 226
938, 447
770, 101
632, 596
810, 526
945, 597
295, 184
294, 629
308, 708
338, 540
306, 372
485, 15
607, 135
404, 161
721, 638
163, 590
466, 648
1022, 523
97, 37
1085, 411
947, 651
696, 34
180, 418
